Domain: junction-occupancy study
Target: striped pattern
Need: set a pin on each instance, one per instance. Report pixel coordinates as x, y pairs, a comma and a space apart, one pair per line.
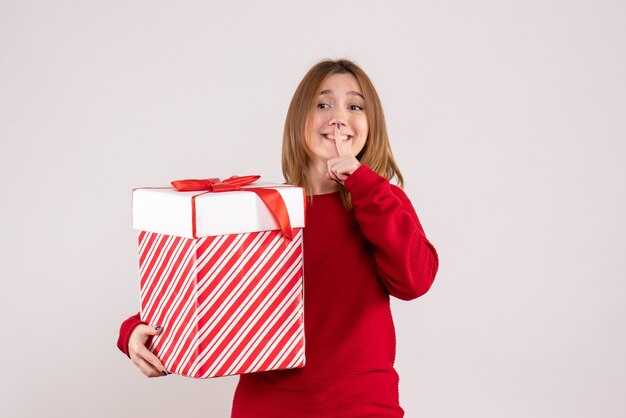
228, 304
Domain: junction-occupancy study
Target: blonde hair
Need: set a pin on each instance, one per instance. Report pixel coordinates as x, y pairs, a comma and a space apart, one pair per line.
376, 153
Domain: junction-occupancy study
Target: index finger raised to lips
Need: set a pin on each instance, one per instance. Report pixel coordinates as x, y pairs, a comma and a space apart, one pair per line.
340, 142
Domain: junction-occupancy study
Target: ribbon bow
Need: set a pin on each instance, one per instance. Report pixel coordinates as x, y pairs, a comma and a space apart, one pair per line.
272, 198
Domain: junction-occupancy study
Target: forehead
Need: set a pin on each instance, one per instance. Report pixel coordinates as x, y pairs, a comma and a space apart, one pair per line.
340, 84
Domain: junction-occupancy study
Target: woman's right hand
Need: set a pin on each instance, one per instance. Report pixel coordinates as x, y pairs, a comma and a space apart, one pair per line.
147, 362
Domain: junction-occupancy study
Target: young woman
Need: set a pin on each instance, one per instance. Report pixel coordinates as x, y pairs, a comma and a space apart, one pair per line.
362, 243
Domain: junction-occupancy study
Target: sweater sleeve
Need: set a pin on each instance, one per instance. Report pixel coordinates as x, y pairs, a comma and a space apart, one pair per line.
407, 262
126, 329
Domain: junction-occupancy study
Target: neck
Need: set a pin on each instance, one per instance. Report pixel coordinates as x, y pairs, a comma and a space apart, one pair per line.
320, 184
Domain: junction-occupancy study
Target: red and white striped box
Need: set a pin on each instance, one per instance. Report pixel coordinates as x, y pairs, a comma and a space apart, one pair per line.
230, 300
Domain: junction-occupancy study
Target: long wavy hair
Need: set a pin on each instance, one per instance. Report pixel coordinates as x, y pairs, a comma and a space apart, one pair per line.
296, 155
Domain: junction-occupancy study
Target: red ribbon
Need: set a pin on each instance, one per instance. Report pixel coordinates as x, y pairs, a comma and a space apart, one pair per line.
272, 199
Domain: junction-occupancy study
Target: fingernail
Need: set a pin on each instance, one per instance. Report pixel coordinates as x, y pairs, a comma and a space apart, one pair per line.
158, 327
164, 373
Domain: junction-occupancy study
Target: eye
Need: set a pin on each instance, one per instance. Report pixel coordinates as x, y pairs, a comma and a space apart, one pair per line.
323, 106
355, 107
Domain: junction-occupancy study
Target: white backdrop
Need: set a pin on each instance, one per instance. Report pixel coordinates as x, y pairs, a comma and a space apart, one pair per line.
506, 117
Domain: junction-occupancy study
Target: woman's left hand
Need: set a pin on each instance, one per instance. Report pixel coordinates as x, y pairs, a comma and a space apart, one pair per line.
340, 168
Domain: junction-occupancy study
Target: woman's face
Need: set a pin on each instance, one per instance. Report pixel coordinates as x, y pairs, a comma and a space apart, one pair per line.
340, 101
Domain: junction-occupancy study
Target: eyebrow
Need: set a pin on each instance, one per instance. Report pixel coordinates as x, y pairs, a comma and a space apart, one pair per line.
350, 93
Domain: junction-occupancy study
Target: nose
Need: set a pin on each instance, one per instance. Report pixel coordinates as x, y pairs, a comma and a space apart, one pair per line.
338, 117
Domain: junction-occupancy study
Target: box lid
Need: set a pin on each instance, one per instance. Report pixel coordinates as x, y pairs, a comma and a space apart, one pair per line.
167, 211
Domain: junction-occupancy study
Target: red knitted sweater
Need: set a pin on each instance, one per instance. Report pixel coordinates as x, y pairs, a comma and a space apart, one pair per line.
353, 261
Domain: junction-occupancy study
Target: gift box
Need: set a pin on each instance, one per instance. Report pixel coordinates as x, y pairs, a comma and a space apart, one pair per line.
220, 266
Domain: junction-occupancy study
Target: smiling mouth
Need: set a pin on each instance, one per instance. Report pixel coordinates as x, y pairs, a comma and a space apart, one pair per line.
332, 137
